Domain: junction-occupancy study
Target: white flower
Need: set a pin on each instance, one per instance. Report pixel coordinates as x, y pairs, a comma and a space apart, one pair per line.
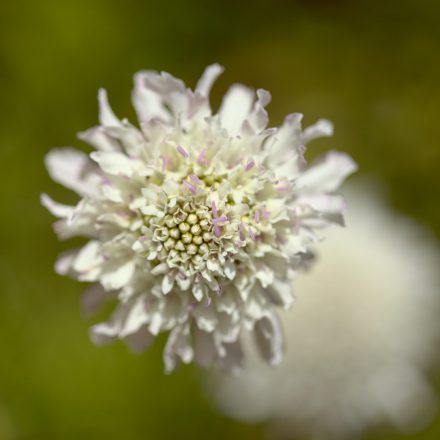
197, 222
360, 338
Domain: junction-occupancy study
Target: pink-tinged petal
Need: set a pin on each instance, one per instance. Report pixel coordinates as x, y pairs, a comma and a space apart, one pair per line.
106, 116
327, 173
141, 340
269, 338
57, 209
204, 350
322, 128
208, 78
235, 108
94, 298
73, 169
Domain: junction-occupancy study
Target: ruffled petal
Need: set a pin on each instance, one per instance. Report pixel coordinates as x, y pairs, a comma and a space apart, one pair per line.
57, 209
326, 174
269, 338
235, 108
73, 169
106, 116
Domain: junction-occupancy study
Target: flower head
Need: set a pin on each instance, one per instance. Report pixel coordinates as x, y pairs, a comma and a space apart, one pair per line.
197, 221
360, 339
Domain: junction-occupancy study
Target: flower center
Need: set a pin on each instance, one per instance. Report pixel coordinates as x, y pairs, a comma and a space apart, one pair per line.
185, 233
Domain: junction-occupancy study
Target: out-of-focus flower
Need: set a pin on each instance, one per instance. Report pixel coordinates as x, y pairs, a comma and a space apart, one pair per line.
360, 338
197, 222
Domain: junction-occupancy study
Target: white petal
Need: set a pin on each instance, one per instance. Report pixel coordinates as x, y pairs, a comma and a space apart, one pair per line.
98, 138
269, 338
178, 346
236, 107
147, 103
116, 163
206, 318
73, 169
259, 118
322, 128
64, 263
119, 276
106, 116
136, 317
286, 141
198, 291
88, 257
57, 209
167, 283
327, 174
104, 333
208, 78
229, 269
328, 203
280, 294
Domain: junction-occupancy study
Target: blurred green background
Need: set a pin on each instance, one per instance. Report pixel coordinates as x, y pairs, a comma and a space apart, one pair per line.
373, 67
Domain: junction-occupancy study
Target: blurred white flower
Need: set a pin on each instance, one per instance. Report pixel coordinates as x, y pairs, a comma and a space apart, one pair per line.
360, 338
197, 222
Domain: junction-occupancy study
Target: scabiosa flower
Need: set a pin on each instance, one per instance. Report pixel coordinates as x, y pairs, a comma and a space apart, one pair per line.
360, 339
196, 221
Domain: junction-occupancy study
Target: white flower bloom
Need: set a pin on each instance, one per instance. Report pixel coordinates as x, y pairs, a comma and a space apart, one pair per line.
360, 338
197, 221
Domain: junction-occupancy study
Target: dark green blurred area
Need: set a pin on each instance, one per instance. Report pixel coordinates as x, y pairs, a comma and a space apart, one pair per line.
372, 67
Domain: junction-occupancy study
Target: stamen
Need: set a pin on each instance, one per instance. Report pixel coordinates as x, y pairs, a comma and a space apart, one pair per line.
217, 230
201, 159
265, 213
182, 151
249, 165
241, 232
221, 220
195, 179
257, 216
190, 187
283, 188
252, 234
214, 209
165, 161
